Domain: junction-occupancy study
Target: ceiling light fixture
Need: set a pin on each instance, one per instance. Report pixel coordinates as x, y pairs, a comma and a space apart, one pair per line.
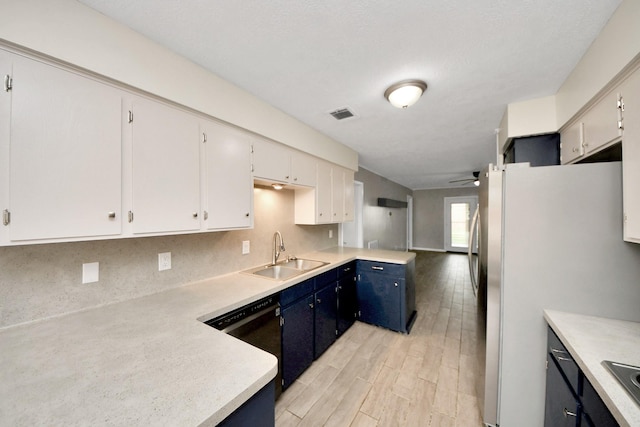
405, 93
277, 186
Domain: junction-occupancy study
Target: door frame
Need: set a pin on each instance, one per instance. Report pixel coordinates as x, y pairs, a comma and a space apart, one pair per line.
409, 222
473, 202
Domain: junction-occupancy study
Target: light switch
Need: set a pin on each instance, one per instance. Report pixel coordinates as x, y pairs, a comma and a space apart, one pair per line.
164, 261
246, 247
90, 272
330, 234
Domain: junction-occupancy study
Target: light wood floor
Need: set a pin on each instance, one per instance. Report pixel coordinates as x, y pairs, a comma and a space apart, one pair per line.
375, 377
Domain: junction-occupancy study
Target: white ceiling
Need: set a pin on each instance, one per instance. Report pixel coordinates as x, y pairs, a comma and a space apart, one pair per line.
308, 58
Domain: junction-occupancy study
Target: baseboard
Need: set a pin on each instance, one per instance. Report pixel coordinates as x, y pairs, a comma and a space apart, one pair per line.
415, 248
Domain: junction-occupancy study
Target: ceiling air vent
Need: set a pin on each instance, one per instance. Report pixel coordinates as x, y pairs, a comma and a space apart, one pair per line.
342, 113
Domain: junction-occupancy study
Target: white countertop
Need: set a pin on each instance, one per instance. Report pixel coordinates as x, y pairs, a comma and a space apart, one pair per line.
146, 361
590, 340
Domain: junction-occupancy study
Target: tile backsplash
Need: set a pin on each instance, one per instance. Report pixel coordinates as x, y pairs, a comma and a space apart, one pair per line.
40, 281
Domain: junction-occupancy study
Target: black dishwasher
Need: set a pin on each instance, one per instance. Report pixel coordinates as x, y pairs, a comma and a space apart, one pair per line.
258, 324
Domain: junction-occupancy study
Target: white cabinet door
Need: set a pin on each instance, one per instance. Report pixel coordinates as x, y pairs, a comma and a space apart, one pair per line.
5, 126
303, 169
323, 194
228, 182
271, 161
571, 143
337, 194
631, 157
349, 208
601, 123
65, 178
165, 169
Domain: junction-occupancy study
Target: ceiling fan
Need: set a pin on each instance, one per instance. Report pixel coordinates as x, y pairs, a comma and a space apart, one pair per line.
466, 181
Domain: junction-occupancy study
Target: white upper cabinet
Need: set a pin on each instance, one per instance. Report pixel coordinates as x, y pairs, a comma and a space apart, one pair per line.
165, 168
228, 184
65, 154
572, 147
602, 123
271, 161
349, 194
303, 169
331, 201
599, 127
279, 163
630, 91
337, 194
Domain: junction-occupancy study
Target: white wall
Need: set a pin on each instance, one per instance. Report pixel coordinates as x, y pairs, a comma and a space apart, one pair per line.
386, 225
72, 32
428, 215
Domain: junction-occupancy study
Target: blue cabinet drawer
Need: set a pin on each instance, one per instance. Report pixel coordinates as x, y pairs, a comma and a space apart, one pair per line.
326, 278
296, 292
348, 269
566, 364
385, 268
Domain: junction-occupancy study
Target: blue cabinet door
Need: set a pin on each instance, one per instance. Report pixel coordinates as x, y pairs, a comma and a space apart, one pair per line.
379, 299
325, 318
347, 303
297, 339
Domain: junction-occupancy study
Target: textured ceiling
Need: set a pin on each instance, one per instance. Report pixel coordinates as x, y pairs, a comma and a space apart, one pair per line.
309, 58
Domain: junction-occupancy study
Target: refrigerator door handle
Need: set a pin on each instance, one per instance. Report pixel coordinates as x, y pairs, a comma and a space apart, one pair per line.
472, 232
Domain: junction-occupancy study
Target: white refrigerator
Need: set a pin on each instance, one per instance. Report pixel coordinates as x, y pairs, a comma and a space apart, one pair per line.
550, 238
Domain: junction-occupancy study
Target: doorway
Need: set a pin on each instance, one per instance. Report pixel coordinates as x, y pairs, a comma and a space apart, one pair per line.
351, 233
458, 212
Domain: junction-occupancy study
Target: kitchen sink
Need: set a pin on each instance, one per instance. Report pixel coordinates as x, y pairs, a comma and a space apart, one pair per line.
286, 269
303, 264
627, 375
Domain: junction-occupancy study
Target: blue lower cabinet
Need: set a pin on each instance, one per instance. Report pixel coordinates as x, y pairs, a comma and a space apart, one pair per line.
325, 307
562, 408
258, 411
379, 300
297, 339
386, 294
347, 303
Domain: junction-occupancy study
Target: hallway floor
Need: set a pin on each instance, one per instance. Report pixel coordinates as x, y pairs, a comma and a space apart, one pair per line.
375, 377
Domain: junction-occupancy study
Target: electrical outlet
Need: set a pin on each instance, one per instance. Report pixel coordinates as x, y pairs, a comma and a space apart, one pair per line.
330, 234
246, 247
164, 261
90, 272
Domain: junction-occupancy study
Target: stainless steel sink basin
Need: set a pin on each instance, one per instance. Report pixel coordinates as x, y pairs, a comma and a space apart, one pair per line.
627, 375
277, 272
303, 264
287, 269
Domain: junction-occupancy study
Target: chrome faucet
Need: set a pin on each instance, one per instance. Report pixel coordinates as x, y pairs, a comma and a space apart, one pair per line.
276, 248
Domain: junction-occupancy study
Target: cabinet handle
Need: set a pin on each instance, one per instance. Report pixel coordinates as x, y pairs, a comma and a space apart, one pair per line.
318, 301
555, 350
585, 145
620, 125
320, 213
247, 214
568, 413
574, 149
564, 359
295, 179
111, 215
195, 214
395, 284
8, 84
286, 177
311, 305
375, 267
